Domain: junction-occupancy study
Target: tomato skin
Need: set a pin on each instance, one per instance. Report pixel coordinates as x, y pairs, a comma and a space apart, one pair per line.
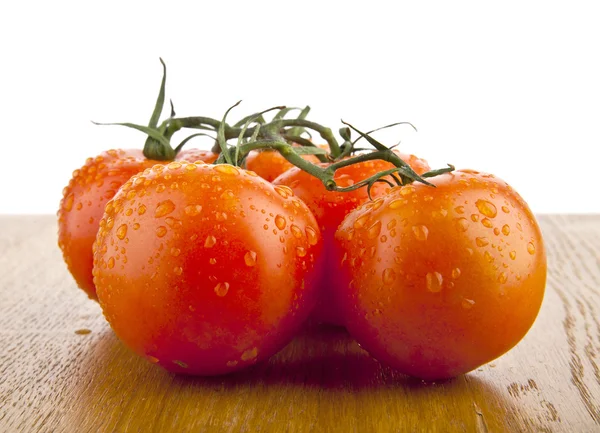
206, 269
330, 208
269, 164
84, 199
193, 154
438, 281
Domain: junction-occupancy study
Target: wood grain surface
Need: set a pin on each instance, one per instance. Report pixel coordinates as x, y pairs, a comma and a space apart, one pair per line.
63, 370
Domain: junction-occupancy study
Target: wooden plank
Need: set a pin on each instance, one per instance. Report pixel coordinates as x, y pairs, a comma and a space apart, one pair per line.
55, 377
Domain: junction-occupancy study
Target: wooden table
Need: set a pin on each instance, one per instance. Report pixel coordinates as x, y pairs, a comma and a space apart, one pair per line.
63, 370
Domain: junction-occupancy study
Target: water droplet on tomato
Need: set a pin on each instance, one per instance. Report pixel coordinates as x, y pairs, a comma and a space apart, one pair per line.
164, 208
227, 195
311, 235
396, 204
531, 248
388, 276
160, 187
296, 231
250, 354
434, 281
210, 241
374, 230
361, 221
421, 232
193, 209
174, 166
300, 251
226, 169
212, 261
459, 209
175, 251
221, 216
283, 191
407, 190
461, 224
111, 262
474, 217
250, 258
502, 278
141, 209
68, 204
391, 224
505, 229
505, 209
487, 223
122, 231
486, 208
488, 257
455, 273
280, 222
513, 255
467, 304
178, 270
482, 241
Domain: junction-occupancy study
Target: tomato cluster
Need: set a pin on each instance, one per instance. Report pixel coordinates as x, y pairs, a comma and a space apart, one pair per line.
205, 267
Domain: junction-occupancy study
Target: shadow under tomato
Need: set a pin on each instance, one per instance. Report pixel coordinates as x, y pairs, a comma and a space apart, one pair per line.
323, 375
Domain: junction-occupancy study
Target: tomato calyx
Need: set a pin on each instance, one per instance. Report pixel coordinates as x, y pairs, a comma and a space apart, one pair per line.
158, 142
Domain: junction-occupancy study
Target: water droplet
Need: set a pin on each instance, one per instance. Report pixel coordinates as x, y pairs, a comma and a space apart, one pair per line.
142, 209
469, 251
311, 235
193, 209
361, 221
505, 209
178, 270
160, 187
374, 230
300, 251
513, 255
266, 227
250, 258
191, 167
467, 304
391, 224
519, 227
396, 204
488, 256
377, 203
296, 231
487, 223
502, 278
175, 251
164, 208
461, 224
531, 248
505, 229
161, 231
486, 208
474, 217
388, 276
434, 281
212, 261
231, 363
122, 231
284, 191
221, 216
174, 166
111, 262
227, 195
407, 190
459, 209
250, 354
421, 232
226, 169
210, 241
482, 242
455, 273
280, 222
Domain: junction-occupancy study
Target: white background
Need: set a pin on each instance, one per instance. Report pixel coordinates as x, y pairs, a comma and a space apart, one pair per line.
511, 88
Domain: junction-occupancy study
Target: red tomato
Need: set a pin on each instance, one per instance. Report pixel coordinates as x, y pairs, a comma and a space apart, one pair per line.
206, 269
330, 208
438, 281
269, 164
84, 199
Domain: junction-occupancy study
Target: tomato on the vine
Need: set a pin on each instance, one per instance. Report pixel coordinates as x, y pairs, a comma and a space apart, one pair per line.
85, 197
206, 269
269, 164
438, 281
330, 208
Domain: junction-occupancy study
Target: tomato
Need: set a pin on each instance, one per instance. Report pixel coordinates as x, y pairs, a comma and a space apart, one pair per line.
206, 269
194, 154
84, 199
269, 164
330, 208
438, 281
